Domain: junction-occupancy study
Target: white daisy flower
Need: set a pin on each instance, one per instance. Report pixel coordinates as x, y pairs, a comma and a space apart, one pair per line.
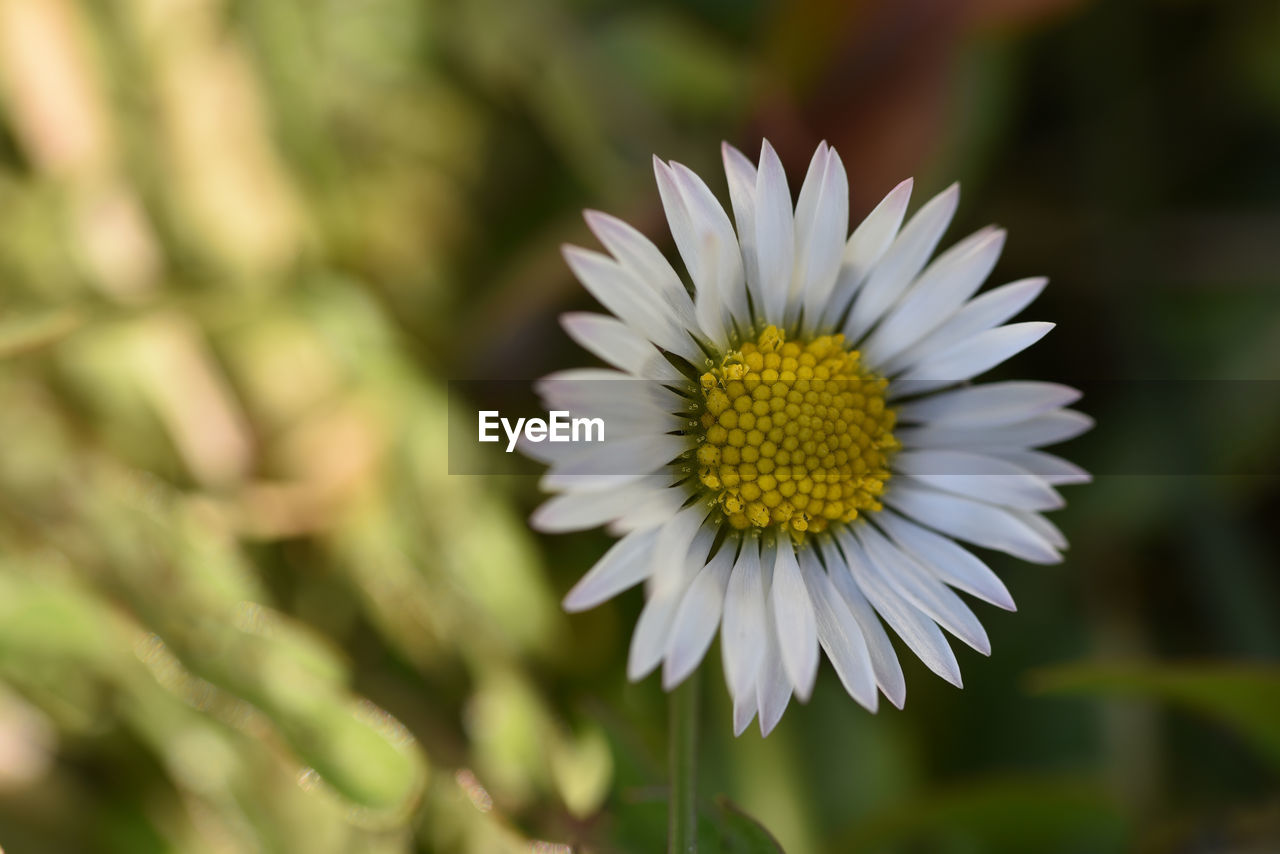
807, 448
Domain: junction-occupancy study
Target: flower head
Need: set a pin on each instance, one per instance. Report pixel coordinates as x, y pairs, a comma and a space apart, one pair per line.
796, 445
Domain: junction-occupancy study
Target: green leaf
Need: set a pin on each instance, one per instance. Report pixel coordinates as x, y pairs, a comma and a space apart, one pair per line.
1245, 698
725, 828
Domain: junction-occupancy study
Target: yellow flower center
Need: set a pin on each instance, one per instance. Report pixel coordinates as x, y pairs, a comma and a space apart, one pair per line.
794, 435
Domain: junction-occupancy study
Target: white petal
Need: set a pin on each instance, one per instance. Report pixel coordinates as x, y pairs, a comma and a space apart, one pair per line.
797, 628
741, 173
697, 619
614, 396
938, 294
972, 521
839, 634
742, 632
884, 659
806, 207
864, 249
821, 247
552, 482
588, 385
917, 631
647, 514
1048, 429
625, 296
1043, 527
1052, 469
810, 190
677, 556
744, 710
578, 511
988, 405
637, 253
985, 478
627, 406
901, 263
775, 234
773, 688
623, 566
981, 313
947, 560
614, 342
971, 357
929, 595
696, 245
628, 456
723, 255
675, 543
650, 635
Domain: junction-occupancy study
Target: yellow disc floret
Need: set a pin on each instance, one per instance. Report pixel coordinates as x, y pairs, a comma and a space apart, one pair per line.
794, 435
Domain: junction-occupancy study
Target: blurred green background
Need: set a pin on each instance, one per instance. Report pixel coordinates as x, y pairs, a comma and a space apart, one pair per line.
245, 244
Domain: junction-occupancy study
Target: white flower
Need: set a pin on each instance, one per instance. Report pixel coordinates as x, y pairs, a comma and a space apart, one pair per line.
807, 448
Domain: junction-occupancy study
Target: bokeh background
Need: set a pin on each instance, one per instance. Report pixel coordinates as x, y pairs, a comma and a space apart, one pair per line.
245, 246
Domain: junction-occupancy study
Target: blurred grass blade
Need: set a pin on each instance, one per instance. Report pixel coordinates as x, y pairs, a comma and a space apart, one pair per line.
998, 816
20, 335
1245, 698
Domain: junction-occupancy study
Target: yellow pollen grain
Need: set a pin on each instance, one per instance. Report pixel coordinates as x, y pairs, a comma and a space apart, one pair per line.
796, 435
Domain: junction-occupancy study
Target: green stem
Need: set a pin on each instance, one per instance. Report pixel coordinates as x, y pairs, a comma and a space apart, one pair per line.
682, 817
